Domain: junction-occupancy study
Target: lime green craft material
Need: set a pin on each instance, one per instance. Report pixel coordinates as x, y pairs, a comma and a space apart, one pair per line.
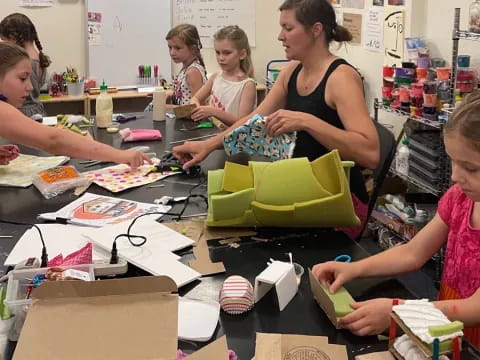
285, 193
446, 329
341, 301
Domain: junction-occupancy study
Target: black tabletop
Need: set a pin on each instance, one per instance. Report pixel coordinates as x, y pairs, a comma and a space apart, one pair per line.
309, 247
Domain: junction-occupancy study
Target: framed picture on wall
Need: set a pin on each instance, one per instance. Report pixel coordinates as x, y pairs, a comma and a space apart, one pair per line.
396, 2
377, 3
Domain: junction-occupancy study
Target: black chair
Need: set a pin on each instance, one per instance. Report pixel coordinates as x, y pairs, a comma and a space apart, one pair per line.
388, 147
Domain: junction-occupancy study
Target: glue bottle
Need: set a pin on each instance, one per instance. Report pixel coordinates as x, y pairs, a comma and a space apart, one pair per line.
104, 107
401, 161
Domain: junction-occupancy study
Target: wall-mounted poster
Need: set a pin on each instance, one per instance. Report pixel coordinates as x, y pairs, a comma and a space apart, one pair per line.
355, 4
353, 23
393, 36
377, 3
396, 2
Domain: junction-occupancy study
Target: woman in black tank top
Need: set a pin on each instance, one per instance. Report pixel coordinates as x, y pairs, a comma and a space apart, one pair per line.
317, 95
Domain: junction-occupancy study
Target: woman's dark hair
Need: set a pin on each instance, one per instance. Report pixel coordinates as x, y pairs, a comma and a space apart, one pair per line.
189, 35
309, 12
10, 55
465, 120
19, 28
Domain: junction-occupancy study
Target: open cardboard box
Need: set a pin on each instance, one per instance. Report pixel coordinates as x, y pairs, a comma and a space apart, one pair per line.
133, 318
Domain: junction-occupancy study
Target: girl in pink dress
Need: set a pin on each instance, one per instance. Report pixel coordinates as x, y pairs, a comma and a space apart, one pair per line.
456, 224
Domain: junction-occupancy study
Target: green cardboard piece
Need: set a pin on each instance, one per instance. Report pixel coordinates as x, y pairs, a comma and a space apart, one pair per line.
4, 311
293, 193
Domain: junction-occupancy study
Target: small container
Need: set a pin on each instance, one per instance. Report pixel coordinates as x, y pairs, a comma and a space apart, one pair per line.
404, 95
443, 85
404, 72
430, 99
465, 87
437, 62
405, 106
443, 73
463, 61
388, 71
386, 92
430, 87
386, 102
474, 17
422, 73
429, 110
408, 65
419, 111
423, 62
75, 89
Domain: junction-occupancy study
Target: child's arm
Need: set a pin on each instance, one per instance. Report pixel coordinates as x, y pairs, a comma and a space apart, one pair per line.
202, 95
466, 310
400, 259
194, 79
18, 128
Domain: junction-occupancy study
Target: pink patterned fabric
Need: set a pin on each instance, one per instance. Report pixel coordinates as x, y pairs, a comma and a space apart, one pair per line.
361, 210
461, 270
79, 257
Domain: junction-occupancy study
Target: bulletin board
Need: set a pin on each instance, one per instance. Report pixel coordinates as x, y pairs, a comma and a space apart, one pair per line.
123, 34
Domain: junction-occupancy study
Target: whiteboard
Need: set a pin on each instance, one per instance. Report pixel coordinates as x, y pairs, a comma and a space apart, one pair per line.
123, 34
210, 16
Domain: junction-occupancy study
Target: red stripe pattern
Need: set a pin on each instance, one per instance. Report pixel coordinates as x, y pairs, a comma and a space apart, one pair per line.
236, 295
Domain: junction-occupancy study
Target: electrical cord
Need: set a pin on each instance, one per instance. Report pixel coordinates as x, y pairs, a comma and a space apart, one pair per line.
143, 239
44, 256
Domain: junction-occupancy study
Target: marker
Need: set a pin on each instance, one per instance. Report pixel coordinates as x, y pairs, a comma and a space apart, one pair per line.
436, 349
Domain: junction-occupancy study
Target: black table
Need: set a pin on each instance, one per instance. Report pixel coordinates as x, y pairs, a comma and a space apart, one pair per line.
301, 316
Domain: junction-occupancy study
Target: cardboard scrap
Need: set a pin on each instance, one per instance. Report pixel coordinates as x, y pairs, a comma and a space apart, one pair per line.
200, 233
283, 346
216, 350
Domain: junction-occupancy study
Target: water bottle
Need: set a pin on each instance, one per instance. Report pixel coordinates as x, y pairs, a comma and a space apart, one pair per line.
104, 107
403, 154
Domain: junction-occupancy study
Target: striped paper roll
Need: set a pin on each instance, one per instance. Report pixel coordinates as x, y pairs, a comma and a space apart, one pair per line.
236, 295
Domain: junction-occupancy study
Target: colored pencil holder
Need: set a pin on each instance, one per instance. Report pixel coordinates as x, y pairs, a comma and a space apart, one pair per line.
422, 73
75, 89
423, 62
463, 61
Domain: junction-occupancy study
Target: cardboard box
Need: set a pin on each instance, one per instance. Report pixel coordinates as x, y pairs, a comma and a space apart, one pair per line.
283, 346
134, 318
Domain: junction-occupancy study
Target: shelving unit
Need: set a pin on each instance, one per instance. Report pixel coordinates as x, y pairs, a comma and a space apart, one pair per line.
458, 35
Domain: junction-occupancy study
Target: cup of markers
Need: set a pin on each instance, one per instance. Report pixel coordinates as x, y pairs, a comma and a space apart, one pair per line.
146, 76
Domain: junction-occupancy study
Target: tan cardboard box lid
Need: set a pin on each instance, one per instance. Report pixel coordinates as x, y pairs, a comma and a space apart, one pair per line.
134, 318
286, 346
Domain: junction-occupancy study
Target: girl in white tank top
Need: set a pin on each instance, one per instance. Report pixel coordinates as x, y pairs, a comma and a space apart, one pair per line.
230, 94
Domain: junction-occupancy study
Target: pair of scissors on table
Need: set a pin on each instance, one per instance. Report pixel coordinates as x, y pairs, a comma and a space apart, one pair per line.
120, 118
90, 163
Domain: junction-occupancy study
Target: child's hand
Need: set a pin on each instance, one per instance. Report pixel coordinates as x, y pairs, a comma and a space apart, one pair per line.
8, 153
370, 317
134, 158
202, 112
335, 273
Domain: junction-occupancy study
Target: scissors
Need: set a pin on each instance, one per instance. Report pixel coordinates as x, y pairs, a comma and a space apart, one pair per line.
343, 258
123, 118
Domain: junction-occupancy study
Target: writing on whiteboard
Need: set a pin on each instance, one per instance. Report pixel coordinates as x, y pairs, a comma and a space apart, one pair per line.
211, 15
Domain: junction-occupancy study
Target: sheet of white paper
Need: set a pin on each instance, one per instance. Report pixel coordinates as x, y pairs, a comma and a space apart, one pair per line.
373, 40
59, 239
49, 120
154, 256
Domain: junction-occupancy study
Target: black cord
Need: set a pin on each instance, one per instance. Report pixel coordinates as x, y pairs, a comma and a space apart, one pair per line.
44, 257
143, 239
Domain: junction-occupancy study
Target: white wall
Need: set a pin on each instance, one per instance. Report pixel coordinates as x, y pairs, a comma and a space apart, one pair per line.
61, 30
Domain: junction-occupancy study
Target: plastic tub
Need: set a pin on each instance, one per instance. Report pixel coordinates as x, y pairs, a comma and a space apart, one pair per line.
19, 280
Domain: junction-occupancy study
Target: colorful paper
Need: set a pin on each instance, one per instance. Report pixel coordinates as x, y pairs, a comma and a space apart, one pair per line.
21, 171
121, 177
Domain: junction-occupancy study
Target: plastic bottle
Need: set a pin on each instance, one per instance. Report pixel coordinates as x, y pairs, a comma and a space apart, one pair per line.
159, 98
402, 158
104, 107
